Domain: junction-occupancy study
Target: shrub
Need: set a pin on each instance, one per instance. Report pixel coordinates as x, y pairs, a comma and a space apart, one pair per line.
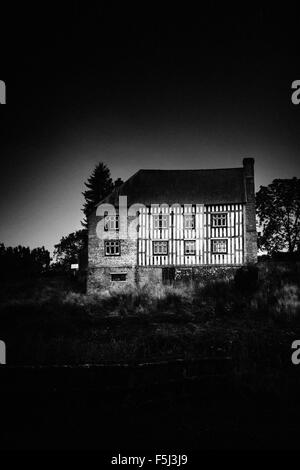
246, 279
288, 301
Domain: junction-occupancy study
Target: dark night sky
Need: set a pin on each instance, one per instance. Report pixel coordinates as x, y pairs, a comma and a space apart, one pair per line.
139, 88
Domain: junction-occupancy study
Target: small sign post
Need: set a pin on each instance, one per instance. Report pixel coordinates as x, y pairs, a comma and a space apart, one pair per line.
74, 268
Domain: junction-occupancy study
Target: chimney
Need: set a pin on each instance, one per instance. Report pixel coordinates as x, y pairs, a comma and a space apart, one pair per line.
250, 216
248, 164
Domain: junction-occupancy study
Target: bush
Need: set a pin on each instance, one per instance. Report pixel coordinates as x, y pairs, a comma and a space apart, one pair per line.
288, 301
246, 279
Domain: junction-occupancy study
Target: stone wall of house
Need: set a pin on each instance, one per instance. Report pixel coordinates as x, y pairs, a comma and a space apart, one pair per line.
205, 273
152, 275
149, 275
100, 278
101, 267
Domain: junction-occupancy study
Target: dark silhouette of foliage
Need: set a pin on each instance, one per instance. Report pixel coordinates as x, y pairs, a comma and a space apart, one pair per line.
72, 249
118, 183
278, 210
99, 185
20, 262
246, 279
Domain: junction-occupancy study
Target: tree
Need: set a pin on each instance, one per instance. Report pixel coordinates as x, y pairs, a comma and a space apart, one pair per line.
40, 260
278, 210
99, 185
72, 249
118, 183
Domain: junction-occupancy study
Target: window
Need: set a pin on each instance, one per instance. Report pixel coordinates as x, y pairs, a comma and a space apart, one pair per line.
160, 248
112, 247
160, 221
189, 221
219, 220
190, 247
119, 277
219, 246
111, 222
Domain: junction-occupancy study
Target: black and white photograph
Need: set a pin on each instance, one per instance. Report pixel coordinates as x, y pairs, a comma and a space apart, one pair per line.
150, 230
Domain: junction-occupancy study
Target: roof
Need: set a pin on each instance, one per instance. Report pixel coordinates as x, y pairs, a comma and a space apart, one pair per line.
217, 186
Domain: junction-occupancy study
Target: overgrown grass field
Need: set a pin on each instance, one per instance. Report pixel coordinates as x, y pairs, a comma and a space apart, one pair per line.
47, 321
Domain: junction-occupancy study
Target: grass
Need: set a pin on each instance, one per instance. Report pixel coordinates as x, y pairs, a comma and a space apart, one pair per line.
49, 322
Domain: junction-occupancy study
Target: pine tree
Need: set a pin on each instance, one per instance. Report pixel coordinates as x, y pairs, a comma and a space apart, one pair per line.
99, 185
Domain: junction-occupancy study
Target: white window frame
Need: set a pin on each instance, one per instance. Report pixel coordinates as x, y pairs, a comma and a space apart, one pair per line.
160, 221
111, 223
160, 244
187, 250
217, 251
118, 274
189, 221
219, 220
112, 248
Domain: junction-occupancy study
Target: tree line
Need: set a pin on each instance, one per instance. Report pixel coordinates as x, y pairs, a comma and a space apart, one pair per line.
21, 262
